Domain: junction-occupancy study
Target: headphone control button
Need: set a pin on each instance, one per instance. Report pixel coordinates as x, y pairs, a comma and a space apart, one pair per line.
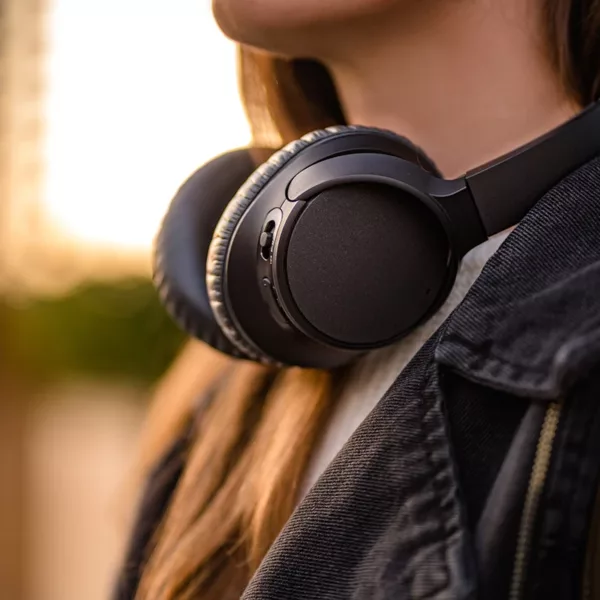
265, 239
270, 298
265, 243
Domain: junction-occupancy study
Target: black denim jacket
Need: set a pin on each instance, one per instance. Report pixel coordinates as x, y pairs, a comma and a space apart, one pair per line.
475, 476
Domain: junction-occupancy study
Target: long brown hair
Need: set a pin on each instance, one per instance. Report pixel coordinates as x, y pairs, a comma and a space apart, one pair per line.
251, 443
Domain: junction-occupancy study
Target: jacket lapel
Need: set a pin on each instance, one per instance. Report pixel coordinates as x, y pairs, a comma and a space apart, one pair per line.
530, 324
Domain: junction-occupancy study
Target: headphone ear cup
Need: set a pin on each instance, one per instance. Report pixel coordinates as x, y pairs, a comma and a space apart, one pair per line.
217, 254
181, 246
246, 195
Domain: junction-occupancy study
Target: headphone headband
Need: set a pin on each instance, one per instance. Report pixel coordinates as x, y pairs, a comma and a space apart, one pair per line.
506, 188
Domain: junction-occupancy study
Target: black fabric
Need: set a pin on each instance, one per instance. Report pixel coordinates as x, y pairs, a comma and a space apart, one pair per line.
427, 494
498, 526
480, 445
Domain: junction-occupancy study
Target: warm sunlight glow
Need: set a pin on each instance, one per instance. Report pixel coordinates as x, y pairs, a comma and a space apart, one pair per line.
141, 92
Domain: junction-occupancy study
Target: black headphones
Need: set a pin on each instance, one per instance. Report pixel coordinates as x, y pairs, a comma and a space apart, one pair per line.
343, 241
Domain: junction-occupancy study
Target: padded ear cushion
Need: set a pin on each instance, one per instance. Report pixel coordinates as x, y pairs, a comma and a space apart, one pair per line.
181, 247
215, 266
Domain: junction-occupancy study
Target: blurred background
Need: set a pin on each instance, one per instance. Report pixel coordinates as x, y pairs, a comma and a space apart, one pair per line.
105, 107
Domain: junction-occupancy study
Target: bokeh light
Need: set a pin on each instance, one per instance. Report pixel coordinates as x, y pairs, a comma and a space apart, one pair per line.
140, 93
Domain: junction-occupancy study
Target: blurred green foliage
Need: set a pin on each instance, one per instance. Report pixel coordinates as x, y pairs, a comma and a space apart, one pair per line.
101, 329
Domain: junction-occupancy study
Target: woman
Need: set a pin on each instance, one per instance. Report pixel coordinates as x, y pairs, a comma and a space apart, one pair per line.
475, 472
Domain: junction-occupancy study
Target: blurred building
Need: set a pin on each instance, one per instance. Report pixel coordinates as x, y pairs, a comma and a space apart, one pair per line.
22, 78
21, 117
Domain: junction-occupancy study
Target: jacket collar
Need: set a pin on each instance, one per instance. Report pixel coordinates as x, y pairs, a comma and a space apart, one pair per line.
530, 324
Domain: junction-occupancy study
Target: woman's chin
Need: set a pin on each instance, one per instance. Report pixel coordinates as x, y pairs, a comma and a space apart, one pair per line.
291, 26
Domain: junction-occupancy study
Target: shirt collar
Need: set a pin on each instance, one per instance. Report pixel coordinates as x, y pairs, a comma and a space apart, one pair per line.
530, 325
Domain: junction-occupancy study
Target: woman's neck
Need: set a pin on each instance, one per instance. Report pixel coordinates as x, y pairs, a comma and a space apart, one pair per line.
467, 83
